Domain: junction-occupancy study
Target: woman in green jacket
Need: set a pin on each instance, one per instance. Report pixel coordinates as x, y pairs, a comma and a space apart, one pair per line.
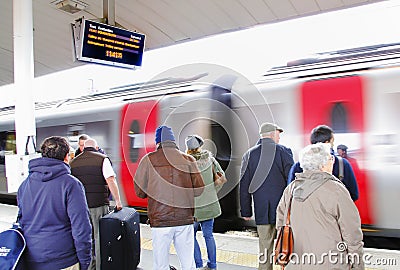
206, 205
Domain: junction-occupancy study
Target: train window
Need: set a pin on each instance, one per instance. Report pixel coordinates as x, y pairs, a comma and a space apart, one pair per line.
7, 145
339, 118
136, 141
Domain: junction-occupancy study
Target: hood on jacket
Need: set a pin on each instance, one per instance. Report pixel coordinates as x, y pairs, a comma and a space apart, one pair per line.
308, 182
46, 169
203, 159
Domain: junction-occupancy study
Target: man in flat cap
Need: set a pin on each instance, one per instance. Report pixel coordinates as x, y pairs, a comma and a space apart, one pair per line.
342, 152
264, 172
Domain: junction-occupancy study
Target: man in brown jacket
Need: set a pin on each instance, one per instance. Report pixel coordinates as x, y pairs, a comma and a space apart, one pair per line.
170, 179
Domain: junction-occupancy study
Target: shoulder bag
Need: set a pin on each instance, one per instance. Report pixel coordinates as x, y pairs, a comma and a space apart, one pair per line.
284, 242
12, 246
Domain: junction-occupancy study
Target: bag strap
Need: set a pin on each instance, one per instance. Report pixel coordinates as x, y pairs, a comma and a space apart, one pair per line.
289, 208
341, 168
213, 160
213, 170
213, 167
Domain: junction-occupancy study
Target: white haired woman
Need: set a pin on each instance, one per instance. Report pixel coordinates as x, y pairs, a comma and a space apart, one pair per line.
325, 221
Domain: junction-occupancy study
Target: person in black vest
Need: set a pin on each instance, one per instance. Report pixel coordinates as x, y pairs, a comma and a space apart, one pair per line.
95, 172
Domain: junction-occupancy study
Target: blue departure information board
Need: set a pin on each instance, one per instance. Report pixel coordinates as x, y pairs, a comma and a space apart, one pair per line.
110, 45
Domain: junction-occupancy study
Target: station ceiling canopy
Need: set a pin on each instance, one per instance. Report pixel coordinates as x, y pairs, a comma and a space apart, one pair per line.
164, 22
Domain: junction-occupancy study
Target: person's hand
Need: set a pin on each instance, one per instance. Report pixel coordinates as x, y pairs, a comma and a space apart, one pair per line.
247, 218
118, 205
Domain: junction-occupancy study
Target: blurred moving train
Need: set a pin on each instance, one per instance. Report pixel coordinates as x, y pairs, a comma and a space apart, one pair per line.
356, 92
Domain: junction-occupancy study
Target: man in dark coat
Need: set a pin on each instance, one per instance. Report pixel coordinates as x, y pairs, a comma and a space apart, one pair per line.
264, 172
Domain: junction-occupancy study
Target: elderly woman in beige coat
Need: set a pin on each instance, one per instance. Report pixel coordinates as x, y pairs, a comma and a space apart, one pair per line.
325, 222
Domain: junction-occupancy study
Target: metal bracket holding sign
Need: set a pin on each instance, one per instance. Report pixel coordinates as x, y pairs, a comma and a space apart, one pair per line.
76, 29
101, 43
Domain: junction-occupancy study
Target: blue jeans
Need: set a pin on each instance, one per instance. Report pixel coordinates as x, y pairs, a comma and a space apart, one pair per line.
207, 229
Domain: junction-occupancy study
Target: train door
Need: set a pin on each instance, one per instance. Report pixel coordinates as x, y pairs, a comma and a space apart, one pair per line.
207, 112
138, 124
338, 103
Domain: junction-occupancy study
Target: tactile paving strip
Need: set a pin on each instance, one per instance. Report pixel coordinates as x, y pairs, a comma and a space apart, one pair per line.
229, 257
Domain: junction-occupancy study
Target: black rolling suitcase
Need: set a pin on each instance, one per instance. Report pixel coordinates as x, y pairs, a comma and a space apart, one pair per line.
120, 240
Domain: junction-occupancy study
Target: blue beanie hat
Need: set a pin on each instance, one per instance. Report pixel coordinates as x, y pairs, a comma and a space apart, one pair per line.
164, 133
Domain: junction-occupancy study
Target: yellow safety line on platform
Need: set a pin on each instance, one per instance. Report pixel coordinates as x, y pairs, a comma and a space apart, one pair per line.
229, 257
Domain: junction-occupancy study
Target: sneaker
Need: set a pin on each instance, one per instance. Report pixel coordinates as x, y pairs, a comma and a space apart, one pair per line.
206, 268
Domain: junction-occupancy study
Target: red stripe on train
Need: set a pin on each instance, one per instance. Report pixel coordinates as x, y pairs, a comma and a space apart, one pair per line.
138, 124
318, 99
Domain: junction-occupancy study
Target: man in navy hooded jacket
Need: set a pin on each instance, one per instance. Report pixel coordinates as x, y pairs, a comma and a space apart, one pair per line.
53, 212
264, 172
324, 134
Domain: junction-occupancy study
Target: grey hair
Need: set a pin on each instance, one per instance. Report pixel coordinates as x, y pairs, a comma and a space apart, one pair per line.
267, 134
90, 143
314, 156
